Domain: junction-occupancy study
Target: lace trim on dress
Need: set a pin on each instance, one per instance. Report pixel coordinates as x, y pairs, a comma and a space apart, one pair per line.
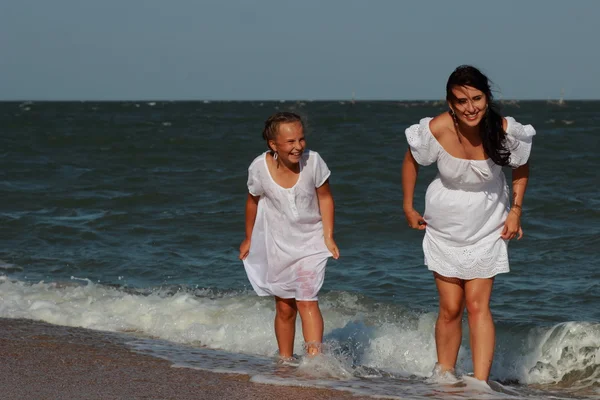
467, 262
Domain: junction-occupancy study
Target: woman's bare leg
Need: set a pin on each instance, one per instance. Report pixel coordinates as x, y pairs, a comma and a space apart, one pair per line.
481, 325
448, 328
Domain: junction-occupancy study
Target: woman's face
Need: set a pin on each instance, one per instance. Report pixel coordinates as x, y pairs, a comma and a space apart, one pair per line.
469, 104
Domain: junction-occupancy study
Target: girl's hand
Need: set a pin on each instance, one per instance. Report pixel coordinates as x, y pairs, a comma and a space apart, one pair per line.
512, 227
415, 220
244, 249
330, 243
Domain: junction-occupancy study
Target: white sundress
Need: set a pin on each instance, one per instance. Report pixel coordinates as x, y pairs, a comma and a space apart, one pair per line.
466, 204
287, 254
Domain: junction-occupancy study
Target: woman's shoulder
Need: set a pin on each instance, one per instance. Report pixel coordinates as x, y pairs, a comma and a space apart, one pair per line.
514, 128
441, 125
423, 144
420, 128
519, 140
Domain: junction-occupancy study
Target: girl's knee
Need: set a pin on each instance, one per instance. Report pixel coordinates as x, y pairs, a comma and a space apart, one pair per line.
286, 309
286, 314
307, 306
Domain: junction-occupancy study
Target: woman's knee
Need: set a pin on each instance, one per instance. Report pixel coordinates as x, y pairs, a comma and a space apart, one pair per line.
451, 312
477, 296
477, 306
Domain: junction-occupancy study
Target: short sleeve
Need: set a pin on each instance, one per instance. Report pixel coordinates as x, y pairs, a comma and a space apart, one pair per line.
423, 145
254, 180
519, 139
321, 171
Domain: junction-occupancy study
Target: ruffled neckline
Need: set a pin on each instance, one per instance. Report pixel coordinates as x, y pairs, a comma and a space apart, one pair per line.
425, 123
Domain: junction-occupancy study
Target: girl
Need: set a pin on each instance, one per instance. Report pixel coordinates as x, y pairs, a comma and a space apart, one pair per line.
289, 230
469, 217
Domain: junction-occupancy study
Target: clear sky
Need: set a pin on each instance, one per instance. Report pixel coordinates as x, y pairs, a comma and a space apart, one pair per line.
304, 49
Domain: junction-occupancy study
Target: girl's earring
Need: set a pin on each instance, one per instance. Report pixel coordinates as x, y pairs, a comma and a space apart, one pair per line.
275, 156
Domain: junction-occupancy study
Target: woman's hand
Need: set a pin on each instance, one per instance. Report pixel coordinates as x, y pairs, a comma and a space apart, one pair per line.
512, 227
415, 220
330, 243
244, 249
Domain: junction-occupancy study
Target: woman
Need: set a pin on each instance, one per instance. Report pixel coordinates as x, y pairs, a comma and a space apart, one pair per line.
469, 217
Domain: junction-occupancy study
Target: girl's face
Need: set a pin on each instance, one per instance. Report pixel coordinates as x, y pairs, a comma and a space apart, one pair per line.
289, 143
469, 105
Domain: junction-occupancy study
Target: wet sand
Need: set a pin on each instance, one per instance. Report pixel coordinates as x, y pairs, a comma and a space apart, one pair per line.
43, 361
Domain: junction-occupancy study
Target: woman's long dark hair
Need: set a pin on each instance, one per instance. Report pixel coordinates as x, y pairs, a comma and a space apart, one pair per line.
493, 136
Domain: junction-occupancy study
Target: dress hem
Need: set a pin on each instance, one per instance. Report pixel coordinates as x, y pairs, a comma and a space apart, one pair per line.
286, 298
432, 269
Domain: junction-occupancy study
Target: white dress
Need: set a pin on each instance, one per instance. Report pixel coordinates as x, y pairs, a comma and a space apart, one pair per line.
466, 204
288, 254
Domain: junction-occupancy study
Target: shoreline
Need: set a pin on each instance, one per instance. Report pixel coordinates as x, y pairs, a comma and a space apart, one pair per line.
44, 361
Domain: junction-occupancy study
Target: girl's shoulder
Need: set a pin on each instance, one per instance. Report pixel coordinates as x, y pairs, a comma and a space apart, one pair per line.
310, 155
311, 158
258, 160
318, 169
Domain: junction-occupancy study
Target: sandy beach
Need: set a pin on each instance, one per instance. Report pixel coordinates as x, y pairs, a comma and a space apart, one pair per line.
43, 361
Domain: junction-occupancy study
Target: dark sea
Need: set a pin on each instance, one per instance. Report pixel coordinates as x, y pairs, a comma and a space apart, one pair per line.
127, 217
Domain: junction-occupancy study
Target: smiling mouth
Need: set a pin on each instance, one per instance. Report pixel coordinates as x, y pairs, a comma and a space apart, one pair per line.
471, 117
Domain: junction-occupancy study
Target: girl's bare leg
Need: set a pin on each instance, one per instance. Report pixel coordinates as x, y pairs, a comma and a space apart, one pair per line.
312, 325
481, 325
448, 328
285, 325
